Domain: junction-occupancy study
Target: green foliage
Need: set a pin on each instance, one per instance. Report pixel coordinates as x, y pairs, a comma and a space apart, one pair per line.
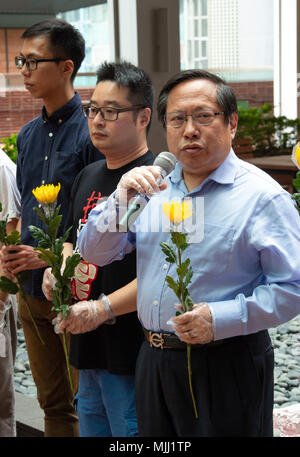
50, 249
10, 146
269, 135
296, 181
8, 286
296, 195
184, 270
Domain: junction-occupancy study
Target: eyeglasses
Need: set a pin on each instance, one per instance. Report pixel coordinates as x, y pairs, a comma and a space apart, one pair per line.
177, 119
107, 113
31, 64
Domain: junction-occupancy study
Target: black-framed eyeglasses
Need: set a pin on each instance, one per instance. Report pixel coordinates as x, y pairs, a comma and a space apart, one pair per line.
108, 113
178, 118
31, 63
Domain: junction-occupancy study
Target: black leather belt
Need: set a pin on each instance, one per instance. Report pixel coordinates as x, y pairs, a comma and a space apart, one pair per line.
171, 341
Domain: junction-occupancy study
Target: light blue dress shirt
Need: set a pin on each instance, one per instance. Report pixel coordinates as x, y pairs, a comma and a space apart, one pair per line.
244, 250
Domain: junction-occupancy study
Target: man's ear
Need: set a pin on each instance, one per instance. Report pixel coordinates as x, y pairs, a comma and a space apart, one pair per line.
144, 117
68, 67
233, 123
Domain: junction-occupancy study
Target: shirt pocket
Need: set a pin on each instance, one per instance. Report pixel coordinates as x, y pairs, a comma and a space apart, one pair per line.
213, 255
66, 168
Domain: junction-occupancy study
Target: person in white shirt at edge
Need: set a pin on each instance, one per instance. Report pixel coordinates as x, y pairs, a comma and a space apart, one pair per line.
10, 201
246, 273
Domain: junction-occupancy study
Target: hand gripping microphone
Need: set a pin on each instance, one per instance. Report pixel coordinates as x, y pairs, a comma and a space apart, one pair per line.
166, 162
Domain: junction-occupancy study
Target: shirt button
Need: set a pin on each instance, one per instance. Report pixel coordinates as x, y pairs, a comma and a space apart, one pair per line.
60, 121
46, 157
165, 267
155, 303
43, 182
51, 134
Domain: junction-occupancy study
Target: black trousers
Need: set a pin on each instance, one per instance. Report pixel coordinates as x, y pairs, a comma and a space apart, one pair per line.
232, 383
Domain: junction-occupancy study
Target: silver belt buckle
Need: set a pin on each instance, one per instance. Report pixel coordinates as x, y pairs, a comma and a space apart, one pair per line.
156, 340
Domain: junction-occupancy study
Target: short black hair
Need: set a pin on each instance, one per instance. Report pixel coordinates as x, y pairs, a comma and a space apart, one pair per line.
125, 74
66, 41
225, 96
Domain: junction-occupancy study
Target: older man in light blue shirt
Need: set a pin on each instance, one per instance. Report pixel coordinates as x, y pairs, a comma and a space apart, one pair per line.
246, 267
245, 254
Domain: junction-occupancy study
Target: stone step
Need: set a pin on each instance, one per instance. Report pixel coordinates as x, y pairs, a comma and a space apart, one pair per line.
29, 416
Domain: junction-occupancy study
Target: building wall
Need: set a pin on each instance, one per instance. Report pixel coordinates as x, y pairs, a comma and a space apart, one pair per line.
10, 40
19, 107
256, 93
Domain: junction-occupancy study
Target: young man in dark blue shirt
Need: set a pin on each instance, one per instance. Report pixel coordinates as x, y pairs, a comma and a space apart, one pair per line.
52, 148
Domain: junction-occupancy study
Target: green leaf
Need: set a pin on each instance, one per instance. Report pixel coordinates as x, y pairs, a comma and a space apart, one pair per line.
58, 246
183, 269
67, 233
53, 226
13, 238
42, 237
296, 196
3, 233
67, 294
8, 286
64, 310
41, 215
296, 182
179, 239
169, 252
173, 285
189, 303
48, 256
71, 264
56, 300
188, 277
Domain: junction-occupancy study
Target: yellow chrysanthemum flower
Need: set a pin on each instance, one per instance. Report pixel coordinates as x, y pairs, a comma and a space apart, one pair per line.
296, 155
177, 212
46, 194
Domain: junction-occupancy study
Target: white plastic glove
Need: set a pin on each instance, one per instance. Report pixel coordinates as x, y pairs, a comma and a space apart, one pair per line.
195, 326
48, 284
145, 180
83, 317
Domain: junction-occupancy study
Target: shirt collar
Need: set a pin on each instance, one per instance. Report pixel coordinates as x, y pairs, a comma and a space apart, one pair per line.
224, 174
62, 114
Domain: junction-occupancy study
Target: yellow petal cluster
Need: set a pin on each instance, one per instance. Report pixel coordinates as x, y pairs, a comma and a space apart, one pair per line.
296, 155
176, 211
46, 194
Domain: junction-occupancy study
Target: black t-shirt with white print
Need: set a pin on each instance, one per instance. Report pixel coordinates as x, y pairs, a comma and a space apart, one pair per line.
111, 347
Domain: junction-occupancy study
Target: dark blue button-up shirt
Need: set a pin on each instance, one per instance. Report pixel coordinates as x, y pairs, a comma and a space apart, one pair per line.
51, 150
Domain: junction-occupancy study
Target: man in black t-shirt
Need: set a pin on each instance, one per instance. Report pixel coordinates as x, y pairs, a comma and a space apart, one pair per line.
119, 117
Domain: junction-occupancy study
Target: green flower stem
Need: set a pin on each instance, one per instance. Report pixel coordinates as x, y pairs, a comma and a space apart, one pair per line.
67, 360
23, 296
188, 350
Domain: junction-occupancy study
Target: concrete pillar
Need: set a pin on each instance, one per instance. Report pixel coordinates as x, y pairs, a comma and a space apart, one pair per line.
147, 34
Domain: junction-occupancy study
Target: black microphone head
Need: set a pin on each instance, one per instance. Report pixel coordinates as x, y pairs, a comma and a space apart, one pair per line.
166, 161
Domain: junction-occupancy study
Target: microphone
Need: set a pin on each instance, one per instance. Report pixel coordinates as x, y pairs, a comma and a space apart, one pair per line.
166, 162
